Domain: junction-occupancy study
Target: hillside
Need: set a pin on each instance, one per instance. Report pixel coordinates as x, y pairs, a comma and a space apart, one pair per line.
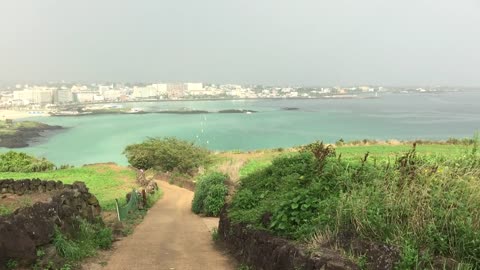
419, 202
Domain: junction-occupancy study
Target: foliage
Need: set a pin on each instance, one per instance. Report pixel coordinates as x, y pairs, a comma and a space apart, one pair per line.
210, 193
4, 210
253, 165
21, 162
215, 235
167, 154
428, 205
88, 238
105, 181
134, 218
153, 198
11, 264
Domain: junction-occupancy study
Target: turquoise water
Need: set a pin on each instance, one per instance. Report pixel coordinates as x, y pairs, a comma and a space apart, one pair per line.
102, 138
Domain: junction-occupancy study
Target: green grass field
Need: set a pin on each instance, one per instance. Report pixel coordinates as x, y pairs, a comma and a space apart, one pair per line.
382, 151
106, 181
256, 161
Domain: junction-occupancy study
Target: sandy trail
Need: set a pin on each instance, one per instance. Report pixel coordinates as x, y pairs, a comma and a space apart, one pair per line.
170, 237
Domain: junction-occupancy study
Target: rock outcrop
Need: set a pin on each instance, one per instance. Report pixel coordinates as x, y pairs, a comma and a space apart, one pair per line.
28, 228
264, 251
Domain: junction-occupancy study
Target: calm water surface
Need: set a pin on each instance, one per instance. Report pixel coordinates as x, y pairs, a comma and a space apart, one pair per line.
91, 139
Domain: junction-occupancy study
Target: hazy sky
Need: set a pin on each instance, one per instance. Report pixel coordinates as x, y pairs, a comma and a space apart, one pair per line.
317, 42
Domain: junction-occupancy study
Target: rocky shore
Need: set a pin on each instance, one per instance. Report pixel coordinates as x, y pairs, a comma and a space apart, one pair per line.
21, 135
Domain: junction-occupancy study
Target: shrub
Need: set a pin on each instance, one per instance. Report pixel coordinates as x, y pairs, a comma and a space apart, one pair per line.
425, 205
210, 193
87, 239
167, 154
21, 162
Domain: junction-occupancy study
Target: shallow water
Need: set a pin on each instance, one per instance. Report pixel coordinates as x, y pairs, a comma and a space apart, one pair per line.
102, 138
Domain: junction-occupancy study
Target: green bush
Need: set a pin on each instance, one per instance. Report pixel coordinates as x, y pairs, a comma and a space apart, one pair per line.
21, 162
427, 206
210, 193
167, 154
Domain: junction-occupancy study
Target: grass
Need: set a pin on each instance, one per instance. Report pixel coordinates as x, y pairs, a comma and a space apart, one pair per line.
423, 201
136, 217
254, 165
386, 151
215, 235
238, 164
13, 128
4, 210
88, 238
105, 181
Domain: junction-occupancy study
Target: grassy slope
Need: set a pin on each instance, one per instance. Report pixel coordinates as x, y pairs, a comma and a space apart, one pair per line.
258, 160
105, 181
382, 151
369, 208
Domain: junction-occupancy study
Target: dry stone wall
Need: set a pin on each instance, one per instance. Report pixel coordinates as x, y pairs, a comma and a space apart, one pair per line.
26, 229
264, 251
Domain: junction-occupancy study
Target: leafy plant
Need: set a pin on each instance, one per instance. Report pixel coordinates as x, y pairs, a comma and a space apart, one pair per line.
21, 162
11, 264
40, 252
167, 154
427, 205
210, 193
5, 210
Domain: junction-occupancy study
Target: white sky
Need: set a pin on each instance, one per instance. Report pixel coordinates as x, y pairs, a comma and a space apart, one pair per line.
308, 42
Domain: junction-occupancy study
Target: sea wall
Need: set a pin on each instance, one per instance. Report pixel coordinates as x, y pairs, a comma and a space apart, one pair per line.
26, 229
263, 251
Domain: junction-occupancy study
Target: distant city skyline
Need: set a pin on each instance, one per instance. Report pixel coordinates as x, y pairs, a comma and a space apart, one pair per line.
265, 42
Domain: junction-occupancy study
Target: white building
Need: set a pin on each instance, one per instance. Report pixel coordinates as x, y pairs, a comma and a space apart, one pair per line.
161, 88
195, 89
25, 95
103, 88
79, 88
61, 96
149, 91
112, 94
42, 96
98, 97
85, 96
35, 95
176, 90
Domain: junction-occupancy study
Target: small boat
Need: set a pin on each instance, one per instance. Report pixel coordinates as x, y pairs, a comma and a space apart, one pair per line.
135, 110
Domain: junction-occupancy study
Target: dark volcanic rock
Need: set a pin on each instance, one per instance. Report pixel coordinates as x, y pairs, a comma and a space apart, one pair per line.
28, 228
266, 252
183, 112
23, 136
236, 111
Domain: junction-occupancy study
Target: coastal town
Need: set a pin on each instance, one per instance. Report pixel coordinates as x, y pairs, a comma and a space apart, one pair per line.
57, 94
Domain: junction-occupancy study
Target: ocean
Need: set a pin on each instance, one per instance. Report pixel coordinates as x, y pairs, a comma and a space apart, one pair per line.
102, 138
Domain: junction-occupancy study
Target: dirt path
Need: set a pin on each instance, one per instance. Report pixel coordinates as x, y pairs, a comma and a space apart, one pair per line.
170, 237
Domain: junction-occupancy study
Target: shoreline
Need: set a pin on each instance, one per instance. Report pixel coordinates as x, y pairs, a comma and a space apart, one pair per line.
16, 115
24, 135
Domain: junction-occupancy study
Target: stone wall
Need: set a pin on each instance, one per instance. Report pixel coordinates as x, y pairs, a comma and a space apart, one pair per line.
263, 251
27, 186
26, 229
